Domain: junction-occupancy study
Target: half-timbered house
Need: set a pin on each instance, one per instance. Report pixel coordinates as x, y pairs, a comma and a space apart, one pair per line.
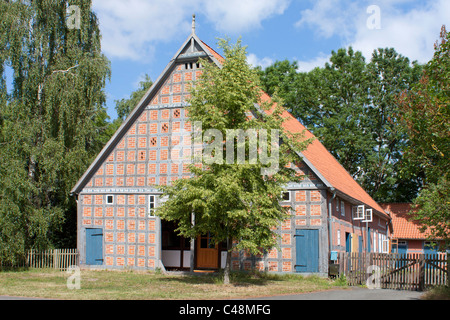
116, 196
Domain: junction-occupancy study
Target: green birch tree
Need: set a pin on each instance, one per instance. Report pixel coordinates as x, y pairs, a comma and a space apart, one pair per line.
50, 118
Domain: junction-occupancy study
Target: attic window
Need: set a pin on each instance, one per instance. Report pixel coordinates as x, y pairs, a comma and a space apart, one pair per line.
188, 66
198, 65
109, 199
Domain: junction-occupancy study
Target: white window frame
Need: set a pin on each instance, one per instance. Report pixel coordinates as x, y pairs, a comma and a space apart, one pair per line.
151, 205
289, 196
368, 215
112, 197
385, 244
375, 242
358, 212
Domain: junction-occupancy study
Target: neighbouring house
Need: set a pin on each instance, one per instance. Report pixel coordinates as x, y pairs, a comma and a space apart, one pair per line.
406, 236
117, 194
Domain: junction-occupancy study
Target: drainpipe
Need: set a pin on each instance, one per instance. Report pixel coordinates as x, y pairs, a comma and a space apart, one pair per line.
330, 227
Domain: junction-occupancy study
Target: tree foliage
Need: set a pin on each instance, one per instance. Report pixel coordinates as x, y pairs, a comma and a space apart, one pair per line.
425, 114
233, 202
349, 104
50, 119
125, 106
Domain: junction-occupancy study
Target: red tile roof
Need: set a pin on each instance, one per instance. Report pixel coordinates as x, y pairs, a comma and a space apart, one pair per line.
322, 159
404, 227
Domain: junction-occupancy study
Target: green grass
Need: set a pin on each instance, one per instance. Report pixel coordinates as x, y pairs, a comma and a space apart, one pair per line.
125, 285
437, 293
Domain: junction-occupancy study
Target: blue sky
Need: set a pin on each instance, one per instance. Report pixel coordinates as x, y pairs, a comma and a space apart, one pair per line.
141, 36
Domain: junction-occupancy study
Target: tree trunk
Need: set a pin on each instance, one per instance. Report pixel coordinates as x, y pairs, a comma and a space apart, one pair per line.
226, 275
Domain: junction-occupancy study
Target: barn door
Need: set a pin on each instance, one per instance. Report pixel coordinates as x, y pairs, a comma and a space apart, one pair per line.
207, 253
307, 250
94, 246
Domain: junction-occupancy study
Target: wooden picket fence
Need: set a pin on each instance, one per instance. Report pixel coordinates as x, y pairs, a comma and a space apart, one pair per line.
410, 271
60, 259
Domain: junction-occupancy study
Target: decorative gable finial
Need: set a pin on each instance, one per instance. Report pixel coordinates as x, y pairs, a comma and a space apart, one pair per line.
193, 23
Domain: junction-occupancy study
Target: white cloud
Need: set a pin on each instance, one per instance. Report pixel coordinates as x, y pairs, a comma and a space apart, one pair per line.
254, 61
409, 26
319, 61
131, 28
411, 33
236, 16
329, 18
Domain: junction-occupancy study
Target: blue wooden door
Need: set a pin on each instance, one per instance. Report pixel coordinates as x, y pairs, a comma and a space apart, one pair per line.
94, 246
307, 250
348, 242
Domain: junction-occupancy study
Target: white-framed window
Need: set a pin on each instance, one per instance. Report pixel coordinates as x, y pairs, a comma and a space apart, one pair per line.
358, 212
110, 199
368, 215
339, 237
342, 208
151, 205
374, 242
384, 244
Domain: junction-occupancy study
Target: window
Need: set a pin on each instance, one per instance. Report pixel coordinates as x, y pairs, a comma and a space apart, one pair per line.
368, 215
109, 199
342, 208
151, 205
339, 237
358, 212
286, 196
386, 246
337, 204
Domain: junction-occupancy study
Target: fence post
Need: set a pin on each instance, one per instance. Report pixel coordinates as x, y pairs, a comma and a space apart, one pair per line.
448, 269
421, 272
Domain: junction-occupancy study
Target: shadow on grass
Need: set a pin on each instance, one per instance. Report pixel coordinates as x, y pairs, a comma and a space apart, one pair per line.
238, 279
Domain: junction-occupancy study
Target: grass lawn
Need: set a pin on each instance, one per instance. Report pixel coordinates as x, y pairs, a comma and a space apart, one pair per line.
132, 285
